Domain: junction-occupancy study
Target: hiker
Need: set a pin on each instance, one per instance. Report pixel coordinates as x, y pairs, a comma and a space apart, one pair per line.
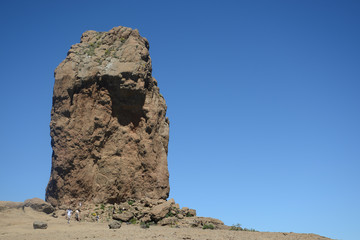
69, 212
77, 215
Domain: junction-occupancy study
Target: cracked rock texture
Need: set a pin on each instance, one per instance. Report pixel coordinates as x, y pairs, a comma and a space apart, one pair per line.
109, 131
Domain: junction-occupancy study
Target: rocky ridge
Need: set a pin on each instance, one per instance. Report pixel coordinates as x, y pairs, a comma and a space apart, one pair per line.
36, 204
144, 211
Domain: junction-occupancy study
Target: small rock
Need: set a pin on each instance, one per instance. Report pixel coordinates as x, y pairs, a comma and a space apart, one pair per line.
40, 225
115, 225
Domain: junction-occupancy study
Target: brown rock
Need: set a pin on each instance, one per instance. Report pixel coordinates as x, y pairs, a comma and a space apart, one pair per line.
125, 216
185, 209
39, 205
159, 212
201, 221
40, 225
146, 218
168, 221
114, 225
192, 212
109, 132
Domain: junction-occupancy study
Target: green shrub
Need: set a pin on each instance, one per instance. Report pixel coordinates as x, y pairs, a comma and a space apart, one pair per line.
236, 227
107, 52
131, 202
189, 215
249, 230
133, 221
144, 225
169, 214
208, 226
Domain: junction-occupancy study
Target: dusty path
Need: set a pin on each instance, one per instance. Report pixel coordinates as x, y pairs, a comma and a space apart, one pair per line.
16, 224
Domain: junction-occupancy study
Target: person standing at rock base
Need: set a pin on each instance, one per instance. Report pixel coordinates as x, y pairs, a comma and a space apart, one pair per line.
68, 214
77, 215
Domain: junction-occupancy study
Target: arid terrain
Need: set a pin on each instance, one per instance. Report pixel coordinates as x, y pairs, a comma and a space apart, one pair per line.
17, 224
109, 135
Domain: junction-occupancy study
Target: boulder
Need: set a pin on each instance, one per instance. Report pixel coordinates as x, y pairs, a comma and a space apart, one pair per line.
40, 225
125, 216
192, 212
170, 221
115, 225
39, 205
185, 210
109, 130
159, 212
146, 218
201, 221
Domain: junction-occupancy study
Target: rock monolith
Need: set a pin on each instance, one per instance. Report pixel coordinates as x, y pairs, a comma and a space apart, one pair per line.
109, 130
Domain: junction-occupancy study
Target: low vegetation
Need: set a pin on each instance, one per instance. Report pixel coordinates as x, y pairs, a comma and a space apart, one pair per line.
208, 226
237, 227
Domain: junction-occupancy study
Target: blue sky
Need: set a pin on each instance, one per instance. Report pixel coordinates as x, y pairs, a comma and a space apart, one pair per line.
263, 99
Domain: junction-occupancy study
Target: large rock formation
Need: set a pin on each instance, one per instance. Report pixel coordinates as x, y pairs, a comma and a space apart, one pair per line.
109, 132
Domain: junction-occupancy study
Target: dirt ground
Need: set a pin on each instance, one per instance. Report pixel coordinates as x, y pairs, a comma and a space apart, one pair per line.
16, 224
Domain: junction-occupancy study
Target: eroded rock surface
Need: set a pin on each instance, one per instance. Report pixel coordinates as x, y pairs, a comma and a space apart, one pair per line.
39, 205
36, 204
109, 130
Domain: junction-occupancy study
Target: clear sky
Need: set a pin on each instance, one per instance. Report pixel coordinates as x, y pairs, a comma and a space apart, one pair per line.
263, 99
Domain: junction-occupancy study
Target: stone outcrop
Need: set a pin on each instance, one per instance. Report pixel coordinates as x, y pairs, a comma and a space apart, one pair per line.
36, 204
109, 131
39, 205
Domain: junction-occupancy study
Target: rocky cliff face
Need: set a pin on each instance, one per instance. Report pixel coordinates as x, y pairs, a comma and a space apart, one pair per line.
109, 132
